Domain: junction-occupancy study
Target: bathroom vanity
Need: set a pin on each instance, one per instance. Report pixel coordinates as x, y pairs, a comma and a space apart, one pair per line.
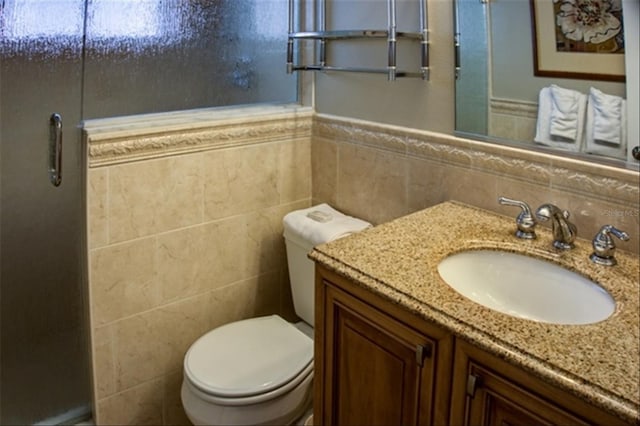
394, 344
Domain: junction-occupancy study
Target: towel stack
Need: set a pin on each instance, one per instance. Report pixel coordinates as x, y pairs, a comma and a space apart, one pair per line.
571, 121
606, 124
561, 115
321, 223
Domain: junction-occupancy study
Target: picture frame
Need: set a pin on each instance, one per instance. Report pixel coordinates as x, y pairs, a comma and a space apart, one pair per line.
555, 55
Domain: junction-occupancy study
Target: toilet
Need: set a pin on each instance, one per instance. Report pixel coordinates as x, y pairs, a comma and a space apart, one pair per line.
260, 370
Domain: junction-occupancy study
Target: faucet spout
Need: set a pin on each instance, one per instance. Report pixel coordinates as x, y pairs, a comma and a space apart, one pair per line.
564, 232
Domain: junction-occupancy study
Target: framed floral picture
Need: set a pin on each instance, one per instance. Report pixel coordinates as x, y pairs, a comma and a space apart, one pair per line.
578, 39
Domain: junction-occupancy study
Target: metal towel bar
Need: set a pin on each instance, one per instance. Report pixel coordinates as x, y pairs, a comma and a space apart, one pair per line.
322, 36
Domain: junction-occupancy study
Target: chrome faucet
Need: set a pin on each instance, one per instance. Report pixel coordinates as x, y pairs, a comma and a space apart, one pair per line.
525, 221
564, 232
604, 247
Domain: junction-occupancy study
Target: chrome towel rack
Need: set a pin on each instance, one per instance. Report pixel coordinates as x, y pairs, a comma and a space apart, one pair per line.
322, 36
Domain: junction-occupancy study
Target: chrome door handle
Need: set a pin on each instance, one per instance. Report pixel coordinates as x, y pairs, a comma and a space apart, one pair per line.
55, 149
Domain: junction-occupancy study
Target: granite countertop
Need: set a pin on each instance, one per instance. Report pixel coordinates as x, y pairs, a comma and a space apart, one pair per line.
398, 260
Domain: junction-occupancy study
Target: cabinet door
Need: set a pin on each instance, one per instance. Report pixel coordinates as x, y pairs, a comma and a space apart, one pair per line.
376, 367
494, 400
489, 391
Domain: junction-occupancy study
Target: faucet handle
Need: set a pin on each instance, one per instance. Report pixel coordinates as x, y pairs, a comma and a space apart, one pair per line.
525, 221
604, 246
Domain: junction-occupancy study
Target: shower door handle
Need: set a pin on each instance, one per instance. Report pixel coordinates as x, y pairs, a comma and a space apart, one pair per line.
55, 149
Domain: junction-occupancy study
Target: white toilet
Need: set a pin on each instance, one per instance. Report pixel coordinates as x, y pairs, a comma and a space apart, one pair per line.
260, 370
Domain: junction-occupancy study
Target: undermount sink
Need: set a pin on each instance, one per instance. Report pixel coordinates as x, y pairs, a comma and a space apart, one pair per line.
526, 287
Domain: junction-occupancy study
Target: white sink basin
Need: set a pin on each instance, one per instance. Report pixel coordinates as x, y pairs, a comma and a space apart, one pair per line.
526, 287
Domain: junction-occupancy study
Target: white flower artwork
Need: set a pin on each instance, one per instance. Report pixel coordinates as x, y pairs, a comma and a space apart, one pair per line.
589, 21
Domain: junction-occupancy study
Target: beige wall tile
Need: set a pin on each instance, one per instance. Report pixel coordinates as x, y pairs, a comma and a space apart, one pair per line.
141, 405
123, 280
241, 180
141, 353
173, 412
98, 231
371, 183
181, 324
201, 258
103, 361
154, 343
246, 299
294, 170
590, 215
470, 186
324, 166
155, 196
425, 186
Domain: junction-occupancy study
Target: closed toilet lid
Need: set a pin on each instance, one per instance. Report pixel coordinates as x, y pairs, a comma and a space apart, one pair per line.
248, 357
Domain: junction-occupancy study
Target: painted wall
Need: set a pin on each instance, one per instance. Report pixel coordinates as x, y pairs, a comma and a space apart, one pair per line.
405, 102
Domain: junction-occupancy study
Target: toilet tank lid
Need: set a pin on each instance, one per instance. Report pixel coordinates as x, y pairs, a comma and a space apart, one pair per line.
248, 357
320, 224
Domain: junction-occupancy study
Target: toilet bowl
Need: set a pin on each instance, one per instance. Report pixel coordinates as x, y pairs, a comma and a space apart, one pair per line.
260, 370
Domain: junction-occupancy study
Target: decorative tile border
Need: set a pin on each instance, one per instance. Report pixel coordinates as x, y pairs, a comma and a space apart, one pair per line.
126, 141
514, 108
161, 137
568, 174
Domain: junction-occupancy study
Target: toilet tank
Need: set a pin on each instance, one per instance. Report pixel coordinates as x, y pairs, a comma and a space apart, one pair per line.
303, 230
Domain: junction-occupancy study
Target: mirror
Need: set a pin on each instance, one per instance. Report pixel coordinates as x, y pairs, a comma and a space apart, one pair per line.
497, 89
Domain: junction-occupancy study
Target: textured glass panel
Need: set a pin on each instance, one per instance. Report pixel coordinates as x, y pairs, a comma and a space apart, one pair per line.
472, 97
44, 371
181, 55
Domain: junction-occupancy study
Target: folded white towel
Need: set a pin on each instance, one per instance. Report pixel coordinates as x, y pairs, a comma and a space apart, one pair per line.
607, 116
545, 113
606, 128
564, 112
321, 224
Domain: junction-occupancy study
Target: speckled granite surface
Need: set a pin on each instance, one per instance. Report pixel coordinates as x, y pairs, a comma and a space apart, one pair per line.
599, 362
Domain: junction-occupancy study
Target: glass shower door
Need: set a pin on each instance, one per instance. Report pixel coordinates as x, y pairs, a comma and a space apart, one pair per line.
44, 366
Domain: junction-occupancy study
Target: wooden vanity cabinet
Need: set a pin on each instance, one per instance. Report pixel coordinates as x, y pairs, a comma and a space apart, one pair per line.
377, 364
374, 364
489, 391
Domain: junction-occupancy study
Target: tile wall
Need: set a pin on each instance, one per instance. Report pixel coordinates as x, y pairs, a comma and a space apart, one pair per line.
185, 224
185, 234
380, 172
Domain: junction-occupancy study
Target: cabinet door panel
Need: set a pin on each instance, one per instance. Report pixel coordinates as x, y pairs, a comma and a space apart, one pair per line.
377, 375
374, 370
498, 401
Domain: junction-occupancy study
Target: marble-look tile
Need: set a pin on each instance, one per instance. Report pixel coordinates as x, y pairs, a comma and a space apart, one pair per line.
103, 361
294, 170
425, 187
324, 169
141, 353
526, 129
371, 183
172, 410
470, 186
201, 258
98, 231
152, 344
181, 324
240, 180
590, 215
123, 280
141, 405
154, 196
254, 297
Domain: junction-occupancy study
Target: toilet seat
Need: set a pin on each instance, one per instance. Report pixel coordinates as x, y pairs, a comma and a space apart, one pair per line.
273, 355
